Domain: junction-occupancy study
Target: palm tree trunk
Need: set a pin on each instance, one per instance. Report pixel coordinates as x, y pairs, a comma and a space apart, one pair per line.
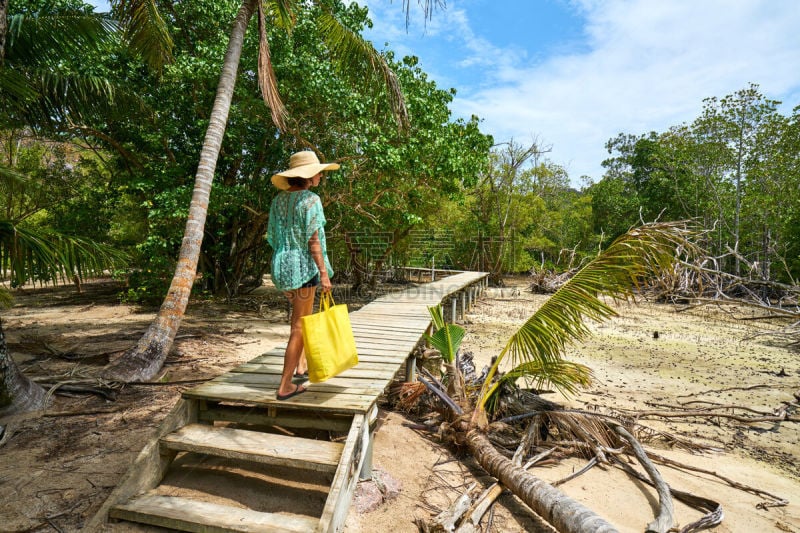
143, 362
17, 393
558, 509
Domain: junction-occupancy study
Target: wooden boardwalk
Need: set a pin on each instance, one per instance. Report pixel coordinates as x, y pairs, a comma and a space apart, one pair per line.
236, 416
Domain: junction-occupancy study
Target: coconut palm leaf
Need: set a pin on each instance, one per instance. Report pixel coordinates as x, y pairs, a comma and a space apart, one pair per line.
41, 255
47, 39
37, 82
428, 7
282, 12
11, 178
358, 54
564, 375
447, 337
615, 273
145, 31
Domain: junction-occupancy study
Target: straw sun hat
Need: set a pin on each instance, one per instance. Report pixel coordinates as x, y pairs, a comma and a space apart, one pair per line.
301, 165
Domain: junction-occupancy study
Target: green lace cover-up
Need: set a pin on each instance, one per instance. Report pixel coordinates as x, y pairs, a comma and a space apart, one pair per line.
294, 216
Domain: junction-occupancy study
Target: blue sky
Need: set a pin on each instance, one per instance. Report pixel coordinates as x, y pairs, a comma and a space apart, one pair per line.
574, 73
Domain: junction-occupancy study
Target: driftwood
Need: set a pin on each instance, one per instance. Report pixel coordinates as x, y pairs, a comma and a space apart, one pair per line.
603, 439
713, 509
664, 521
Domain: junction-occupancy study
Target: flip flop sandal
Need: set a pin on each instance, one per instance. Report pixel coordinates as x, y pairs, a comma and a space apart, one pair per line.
295, 392
298, 375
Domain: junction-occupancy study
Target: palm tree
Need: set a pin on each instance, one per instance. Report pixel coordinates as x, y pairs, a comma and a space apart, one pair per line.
536, 352
143, 361
17, 393
38, 94
39, 89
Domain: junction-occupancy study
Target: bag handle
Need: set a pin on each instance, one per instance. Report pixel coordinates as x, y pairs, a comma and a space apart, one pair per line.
326, 301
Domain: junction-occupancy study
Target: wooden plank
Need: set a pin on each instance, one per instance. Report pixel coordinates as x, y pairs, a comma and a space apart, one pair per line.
371, 355
378, 338
392, 330
272, 361
149, 467
387, 317
407, 325
367, 345
184, 514
285, 419
333, 385
346, 478
395, 358
401, 309
386, 332
359, 322
266, 448
233, 392
400, 312
361, 370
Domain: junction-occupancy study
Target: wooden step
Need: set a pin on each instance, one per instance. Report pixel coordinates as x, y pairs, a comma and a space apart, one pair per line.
268, 448
185, 514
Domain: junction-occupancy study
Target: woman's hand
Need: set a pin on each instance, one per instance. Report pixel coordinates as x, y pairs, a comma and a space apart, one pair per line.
325, 281
315, 248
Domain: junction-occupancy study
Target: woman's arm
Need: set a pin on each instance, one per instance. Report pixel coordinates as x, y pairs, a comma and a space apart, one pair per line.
315, 248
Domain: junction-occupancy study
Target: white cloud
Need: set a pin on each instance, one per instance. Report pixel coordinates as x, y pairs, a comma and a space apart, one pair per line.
646, 65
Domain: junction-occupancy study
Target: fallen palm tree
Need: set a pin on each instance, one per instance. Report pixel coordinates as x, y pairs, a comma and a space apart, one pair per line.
471, 409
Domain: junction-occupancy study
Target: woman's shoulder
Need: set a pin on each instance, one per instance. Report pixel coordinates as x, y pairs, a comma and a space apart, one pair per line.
309, 198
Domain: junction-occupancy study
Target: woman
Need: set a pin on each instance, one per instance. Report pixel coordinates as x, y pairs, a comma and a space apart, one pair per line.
300, 263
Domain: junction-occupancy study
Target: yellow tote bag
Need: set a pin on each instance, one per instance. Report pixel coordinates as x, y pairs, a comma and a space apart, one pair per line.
328, 340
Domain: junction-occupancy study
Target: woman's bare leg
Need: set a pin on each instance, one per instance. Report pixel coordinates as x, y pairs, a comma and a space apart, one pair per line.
302, 301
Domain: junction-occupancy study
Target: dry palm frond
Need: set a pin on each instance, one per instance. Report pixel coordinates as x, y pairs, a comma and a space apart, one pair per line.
266, 75
408, 395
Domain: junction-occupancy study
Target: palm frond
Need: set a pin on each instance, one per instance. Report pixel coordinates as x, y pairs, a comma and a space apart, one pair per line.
146, 31
428, 7
39, 80
350, 49
447, 337
564, 375
46, 40
282, 11
266, 75
10, 177
42, 255
615, 273
51, 97
437, 316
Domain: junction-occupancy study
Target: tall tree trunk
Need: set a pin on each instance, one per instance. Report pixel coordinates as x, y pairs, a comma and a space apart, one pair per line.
17, 393
143, 361
558, 509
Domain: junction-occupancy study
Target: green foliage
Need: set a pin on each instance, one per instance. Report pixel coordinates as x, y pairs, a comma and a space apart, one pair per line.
39, 242
45, 79
446, 337
734, 169
522, 212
